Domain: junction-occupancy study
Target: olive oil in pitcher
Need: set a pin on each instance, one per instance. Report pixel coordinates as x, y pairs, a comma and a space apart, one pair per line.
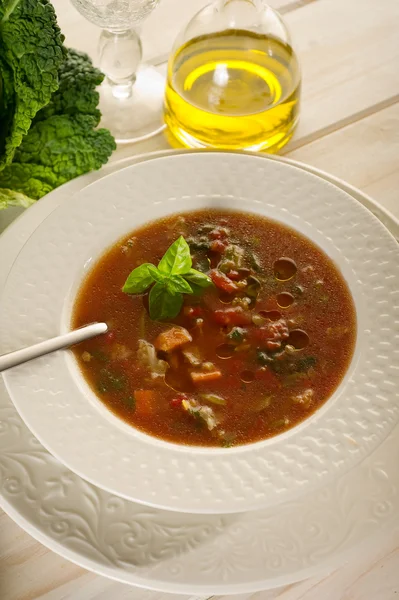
233, 89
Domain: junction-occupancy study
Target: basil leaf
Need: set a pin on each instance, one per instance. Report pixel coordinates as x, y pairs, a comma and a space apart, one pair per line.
163, 304
176, 284
197, 290
177, 259
198, 278
156, 274
139, 280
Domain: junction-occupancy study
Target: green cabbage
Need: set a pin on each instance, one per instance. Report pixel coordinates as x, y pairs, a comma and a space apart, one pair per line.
31, 53
48, 106
54, 151
11, 198
76, 93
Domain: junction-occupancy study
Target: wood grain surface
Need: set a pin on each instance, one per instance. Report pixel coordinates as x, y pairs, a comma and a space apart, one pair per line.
349, 50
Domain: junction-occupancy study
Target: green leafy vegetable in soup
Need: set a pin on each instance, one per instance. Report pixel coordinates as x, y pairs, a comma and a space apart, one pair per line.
210, 342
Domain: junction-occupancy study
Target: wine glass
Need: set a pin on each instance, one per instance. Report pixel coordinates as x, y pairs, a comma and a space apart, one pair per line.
131, 96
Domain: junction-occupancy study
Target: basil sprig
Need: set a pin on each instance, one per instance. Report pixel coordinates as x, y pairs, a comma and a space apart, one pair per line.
173, 277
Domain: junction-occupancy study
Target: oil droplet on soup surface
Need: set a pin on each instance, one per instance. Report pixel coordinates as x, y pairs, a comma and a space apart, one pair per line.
226, 298
298, 338
284, 269
272, 315
247, 376
225, 351
285, 299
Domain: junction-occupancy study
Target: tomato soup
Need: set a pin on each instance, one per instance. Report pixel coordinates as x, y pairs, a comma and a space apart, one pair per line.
238, 332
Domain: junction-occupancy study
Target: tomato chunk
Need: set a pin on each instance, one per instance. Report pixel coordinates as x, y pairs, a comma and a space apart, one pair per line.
192, 311
218, 233
272, 334
232, 316
218, 246
223, 282
234, 275
177, 401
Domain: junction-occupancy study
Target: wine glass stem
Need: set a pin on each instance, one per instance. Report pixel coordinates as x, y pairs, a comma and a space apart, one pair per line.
120, 55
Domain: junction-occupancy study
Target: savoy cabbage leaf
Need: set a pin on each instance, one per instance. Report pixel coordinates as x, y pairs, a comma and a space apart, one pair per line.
12, 198
31, 53
31, 180
56, 150
78, 79
48, 106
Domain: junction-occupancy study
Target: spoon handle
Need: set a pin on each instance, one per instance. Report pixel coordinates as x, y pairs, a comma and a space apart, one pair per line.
13, 359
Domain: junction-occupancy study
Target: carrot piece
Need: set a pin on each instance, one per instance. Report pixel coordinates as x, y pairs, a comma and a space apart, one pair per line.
205, 377
172, 338
232, 316
145, 402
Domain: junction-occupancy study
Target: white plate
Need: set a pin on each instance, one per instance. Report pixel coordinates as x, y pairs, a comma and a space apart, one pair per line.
288, 543
74, 425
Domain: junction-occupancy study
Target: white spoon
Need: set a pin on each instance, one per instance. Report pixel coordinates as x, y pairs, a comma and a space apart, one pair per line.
13, 359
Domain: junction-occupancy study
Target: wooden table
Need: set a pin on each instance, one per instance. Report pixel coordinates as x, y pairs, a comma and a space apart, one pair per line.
349, 51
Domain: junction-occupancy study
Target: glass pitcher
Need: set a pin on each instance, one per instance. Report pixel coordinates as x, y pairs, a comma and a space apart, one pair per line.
233, 79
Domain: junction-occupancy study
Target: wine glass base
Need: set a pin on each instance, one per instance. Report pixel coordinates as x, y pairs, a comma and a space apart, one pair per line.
139, 116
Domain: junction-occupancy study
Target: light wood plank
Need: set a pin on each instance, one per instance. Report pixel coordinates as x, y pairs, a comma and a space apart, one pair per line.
28, 571
372, 579
365, 153
47, 576
349, 53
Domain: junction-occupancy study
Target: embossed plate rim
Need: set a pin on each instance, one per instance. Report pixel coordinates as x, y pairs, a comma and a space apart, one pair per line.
327, 437
18, 232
